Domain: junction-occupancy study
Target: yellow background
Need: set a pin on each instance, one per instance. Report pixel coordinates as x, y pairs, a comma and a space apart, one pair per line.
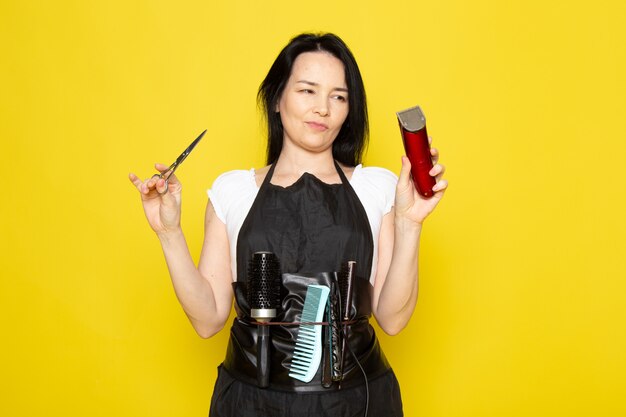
522, 307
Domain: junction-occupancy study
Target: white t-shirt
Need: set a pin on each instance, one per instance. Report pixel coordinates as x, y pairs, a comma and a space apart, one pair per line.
234, 192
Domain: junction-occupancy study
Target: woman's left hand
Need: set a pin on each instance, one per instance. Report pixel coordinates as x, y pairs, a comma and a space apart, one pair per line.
409, 203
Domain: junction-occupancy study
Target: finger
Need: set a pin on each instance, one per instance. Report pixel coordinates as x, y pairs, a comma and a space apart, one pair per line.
405, 172
441, 186
173, 181
161, 186
434, 152
142, 186
135, 180
404, 181
437, 170
430, 140
152, 181
162, 168
148, 185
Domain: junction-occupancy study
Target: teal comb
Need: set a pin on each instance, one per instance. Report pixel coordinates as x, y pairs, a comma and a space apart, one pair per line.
308, 350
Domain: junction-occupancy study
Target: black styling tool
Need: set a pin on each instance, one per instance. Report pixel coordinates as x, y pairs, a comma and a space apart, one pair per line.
264, 300
331, 339
334, 331
346, 278
327, 347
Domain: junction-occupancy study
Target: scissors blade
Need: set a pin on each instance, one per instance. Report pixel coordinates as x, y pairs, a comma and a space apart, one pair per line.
187, 151
166, 174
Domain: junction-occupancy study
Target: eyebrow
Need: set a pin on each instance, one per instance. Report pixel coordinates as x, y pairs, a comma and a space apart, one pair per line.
317, 85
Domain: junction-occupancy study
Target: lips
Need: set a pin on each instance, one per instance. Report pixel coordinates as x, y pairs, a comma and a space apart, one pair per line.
319, 127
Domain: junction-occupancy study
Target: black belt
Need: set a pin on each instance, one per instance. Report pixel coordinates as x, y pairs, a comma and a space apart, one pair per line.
240, 364
361, 340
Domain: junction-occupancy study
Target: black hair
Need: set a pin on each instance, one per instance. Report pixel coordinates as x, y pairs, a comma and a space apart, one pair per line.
351, 141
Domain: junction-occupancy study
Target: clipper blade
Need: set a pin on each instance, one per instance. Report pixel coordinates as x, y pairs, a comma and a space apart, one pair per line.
412, 119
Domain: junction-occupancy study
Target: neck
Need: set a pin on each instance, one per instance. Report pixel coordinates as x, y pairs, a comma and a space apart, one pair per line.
290, 166
297, 163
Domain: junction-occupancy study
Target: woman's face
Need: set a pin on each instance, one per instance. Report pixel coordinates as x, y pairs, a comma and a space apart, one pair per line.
314, 103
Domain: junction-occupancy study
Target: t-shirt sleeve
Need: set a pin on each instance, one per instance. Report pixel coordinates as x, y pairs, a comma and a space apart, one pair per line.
232, 195
382, 183
376, 188
227, 191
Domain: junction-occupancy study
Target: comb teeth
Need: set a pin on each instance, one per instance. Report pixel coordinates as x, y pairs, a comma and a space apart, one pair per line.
308, 351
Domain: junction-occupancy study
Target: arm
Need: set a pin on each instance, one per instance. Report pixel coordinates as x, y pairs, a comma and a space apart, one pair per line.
396, 286
204, 292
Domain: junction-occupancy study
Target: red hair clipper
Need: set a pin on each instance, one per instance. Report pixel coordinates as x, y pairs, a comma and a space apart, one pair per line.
413, 128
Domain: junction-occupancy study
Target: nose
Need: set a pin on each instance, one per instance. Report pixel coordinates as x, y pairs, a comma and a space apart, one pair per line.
321, 107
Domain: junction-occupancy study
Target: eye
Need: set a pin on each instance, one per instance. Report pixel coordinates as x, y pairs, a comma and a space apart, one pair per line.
341, 98
307, 91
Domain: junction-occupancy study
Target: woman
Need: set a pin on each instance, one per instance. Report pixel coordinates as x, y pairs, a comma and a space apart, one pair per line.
315, 207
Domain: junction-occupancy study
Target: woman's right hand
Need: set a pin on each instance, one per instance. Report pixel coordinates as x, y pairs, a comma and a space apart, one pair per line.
161, 203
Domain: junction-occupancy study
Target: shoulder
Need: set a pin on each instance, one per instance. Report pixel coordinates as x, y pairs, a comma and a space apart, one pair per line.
375, 185
231, 190
375, 177
235, 178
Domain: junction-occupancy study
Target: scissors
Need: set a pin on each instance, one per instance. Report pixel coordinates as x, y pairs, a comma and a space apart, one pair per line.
172, 168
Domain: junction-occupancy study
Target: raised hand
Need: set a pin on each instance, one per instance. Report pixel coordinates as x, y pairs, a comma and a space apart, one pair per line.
409, 203
161, 201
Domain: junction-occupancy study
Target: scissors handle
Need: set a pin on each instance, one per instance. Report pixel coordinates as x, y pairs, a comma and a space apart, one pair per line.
167, 173
167, 180
172, 168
